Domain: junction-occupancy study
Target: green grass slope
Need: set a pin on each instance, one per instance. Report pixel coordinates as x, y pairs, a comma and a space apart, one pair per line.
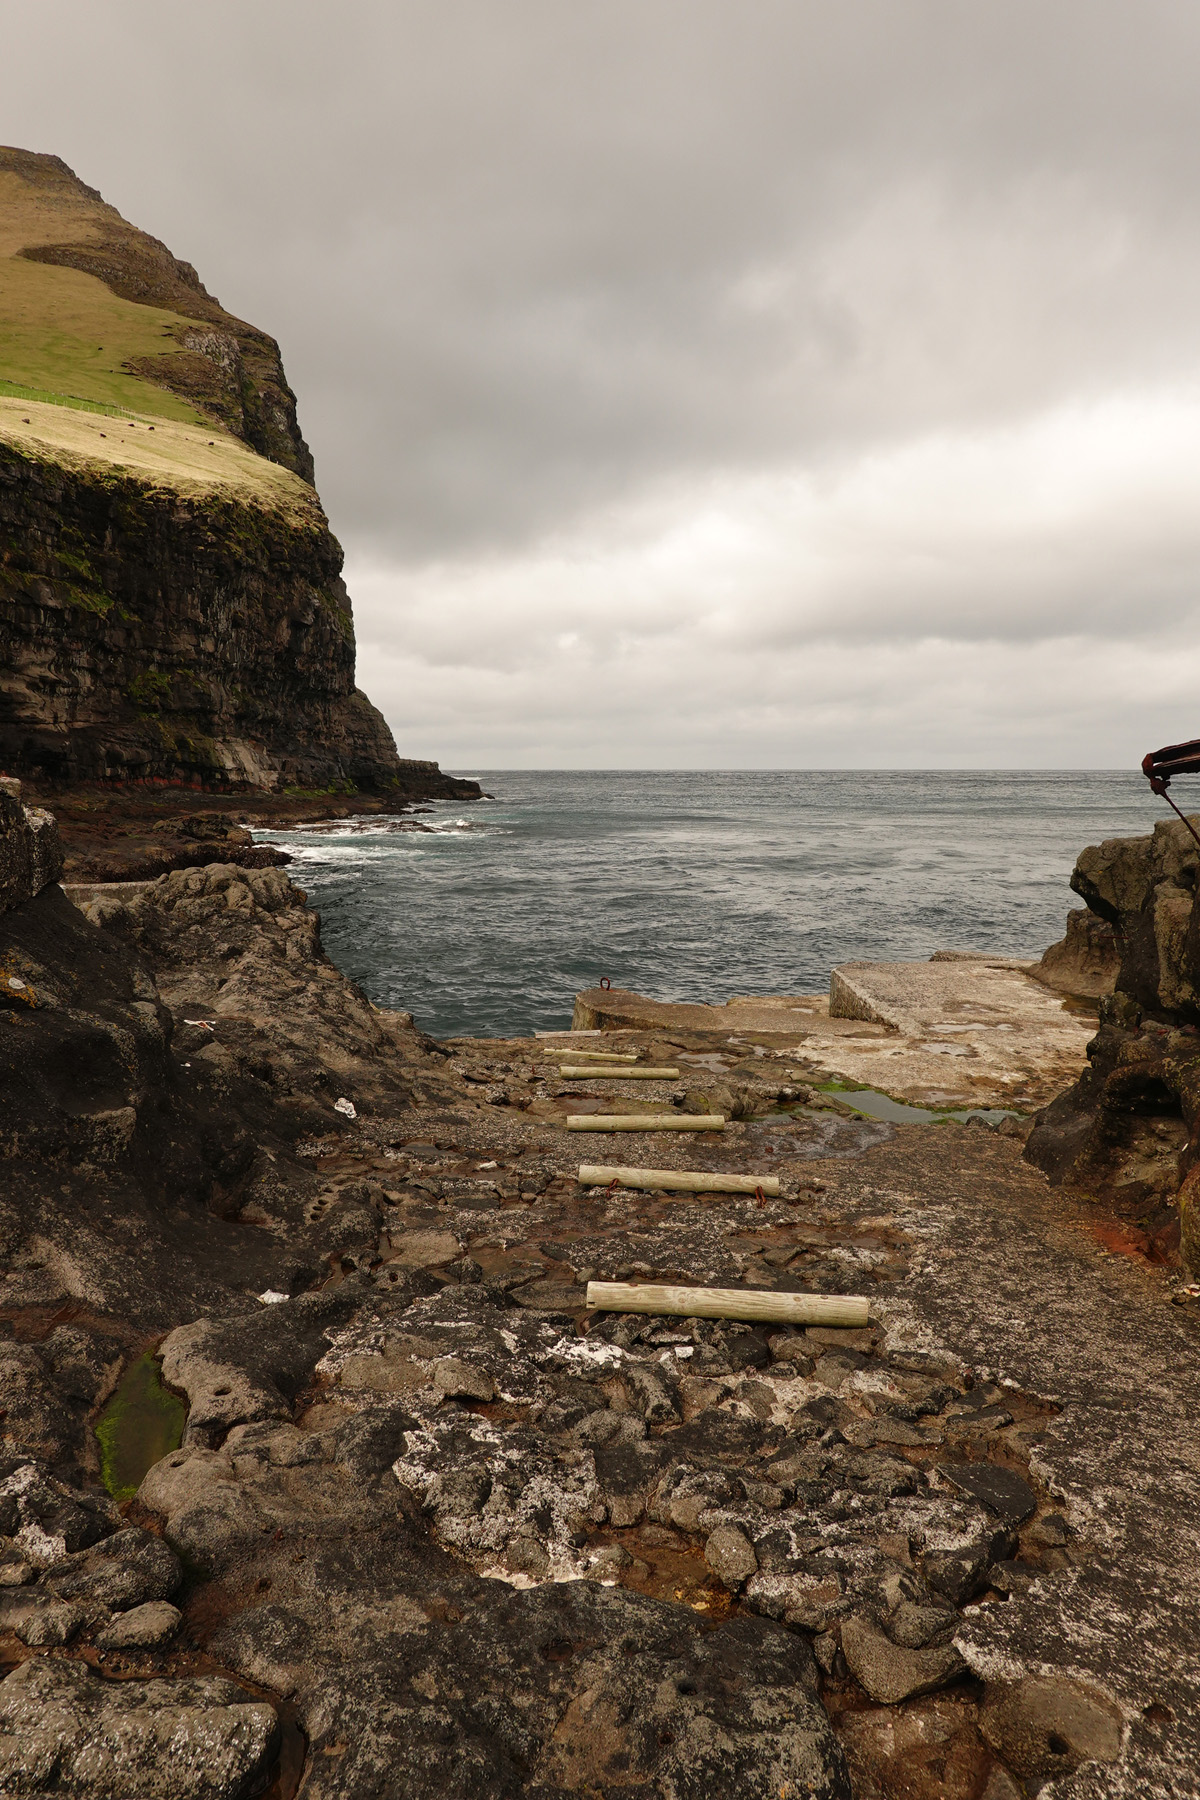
94, 312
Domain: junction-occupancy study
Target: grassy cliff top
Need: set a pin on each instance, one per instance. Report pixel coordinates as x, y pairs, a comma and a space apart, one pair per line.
95, 313
190, 459
63, 331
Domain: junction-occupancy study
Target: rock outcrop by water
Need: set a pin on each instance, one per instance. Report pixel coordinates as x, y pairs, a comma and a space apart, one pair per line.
1127, 1131
1086, 961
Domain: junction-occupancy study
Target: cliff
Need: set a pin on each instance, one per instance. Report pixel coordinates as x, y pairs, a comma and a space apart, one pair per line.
166, 627
171, 602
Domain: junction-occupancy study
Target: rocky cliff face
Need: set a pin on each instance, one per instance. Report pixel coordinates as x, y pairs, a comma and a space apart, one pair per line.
171, 602
149, 634
1127, 1130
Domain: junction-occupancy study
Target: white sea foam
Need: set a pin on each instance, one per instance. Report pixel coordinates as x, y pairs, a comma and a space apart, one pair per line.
343, 855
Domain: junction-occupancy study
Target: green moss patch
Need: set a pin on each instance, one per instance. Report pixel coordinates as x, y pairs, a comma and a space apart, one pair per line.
151, 689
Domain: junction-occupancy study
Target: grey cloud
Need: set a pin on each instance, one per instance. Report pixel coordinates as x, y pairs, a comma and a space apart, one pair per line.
535, 265
511, 251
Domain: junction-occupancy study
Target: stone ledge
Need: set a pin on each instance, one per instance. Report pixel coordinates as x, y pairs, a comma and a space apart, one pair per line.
82, 893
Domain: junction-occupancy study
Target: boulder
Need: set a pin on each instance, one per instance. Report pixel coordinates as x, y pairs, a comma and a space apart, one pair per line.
730, 1555
65, 1730
128, 1569
1086, 961
1047, 1725
49, 1624
31, 855
892, 1672
142, 1627
1005, 1494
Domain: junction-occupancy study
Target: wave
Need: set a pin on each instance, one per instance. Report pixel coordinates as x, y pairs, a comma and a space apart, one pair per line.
344, 855
373, 827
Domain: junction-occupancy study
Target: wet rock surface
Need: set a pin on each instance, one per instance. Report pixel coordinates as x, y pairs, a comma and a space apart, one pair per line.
436, 1528
958, 1031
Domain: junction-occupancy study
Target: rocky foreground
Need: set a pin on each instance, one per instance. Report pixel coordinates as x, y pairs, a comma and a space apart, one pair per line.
430, 1526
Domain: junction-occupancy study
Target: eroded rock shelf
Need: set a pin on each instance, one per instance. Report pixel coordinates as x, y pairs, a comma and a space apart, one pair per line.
435, 1529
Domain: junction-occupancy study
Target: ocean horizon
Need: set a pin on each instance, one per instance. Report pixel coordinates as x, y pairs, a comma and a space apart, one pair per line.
484, 918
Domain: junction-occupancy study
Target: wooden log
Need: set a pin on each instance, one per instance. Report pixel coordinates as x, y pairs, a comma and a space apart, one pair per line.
728, 1303
696, 1181
567, 1073
646, 1122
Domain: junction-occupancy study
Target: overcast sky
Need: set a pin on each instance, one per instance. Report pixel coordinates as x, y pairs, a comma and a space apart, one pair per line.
763, 383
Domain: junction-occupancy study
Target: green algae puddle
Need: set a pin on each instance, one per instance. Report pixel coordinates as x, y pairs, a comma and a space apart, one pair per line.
142, 1423
871, 1104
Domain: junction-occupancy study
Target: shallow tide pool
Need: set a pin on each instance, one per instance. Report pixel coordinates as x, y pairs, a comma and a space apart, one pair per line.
142, 1423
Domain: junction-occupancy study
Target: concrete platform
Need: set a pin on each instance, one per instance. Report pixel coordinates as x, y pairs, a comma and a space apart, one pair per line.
82, 893
944, 992
782, 1015
956, 1031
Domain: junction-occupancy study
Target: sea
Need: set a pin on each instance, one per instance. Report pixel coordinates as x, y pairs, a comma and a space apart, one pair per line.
683, 885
